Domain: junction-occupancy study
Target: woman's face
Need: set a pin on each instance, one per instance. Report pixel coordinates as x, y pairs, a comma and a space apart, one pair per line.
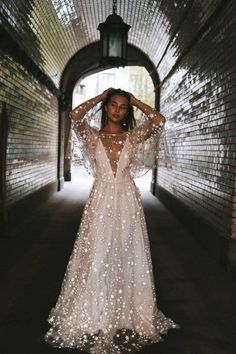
117, 108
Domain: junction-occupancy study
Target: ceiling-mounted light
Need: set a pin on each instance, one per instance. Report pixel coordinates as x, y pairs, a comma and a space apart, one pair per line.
113, 40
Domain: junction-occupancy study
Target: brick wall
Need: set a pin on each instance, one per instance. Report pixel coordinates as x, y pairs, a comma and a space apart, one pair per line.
33, 131
233, 225
198, 99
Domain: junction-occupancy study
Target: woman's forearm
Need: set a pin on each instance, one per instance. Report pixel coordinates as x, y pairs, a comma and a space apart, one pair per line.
150, 112
79, 112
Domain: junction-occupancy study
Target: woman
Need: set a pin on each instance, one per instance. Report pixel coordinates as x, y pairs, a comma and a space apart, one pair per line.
107, 302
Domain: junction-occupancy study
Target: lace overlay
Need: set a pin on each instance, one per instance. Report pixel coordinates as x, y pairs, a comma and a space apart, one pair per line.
145, 141
88, 138
107, 303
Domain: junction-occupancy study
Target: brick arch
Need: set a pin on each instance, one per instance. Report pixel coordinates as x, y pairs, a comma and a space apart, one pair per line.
86, 62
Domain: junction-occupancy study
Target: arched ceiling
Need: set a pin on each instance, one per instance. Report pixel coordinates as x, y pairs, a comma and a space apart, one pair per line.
51, 32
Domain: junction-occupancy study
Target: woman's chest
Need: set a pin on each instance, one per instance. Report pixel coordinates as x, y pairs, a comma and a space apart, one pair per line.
113, 152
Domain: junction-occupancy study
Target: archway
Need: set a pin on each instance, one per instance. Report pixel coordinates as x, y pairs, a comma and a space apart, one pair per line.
82, 64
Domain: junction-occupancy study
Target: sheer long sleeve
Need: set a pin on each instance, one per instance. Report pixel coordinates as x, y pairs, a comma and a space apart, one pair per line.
144, 140
87, 139
150, 127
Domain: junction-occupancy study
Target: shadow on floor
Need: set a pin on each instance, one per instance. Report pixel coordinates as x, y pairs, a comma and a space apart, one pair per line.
191, 288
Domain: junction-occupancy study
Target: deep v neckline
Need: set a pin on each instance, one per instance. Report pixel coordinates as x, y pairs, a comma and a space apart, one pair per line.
114, 173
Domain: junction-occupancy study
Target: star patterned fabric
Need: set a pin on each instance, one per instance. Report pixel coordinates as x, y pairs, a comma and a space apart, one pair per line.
107, 303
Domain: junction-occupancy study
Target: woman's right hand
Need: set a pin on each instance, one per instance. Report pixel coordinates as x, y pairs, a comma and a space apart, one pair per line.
104, 94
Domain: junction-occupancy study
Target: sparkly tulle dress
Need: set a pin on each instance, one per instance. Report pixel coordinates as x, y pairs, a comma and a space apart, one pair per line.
107, 303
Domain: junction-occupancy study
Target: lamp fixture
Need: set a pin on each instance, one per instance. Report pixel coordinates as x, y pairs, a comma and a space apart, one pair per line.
113, 40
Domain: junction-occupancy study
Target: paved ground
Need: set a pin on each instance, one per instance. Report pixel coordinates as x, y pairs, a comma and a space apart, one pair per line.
192, 289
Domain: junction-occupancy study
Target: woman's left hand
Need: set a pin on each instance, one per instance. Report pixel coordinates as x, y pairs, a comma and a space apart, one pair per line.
133, 99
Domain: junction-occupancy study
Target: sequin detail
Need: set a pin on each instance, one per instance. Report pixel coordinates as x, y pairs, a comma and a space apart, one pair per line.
143, 143
107, 303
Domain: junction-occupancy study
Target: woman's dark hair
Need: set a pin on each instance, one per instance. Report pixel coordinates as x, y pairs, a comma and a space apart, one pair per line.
129, 121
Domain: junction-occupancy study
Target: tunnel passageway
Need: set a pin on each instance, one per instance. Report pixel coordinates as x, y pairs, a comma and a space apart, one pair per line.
188, 49
191, 287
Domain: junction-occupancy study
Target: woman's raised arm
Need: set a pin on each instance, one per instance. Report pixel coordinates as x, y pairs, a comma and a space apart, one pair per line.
79, 112
156, 117
152, 127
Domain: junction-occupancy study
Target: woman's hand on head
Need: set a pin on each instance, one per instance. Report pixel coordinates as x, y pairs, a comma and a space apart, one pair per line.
104, 93
133, 99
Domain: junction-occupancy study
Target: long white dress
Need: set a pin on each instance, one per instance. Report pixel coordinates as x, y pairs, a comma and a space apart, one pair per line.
107, 302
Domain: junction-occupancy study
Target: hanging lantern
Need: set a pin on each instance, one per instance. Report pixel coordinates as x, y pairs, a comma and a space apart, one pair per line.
113, 40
